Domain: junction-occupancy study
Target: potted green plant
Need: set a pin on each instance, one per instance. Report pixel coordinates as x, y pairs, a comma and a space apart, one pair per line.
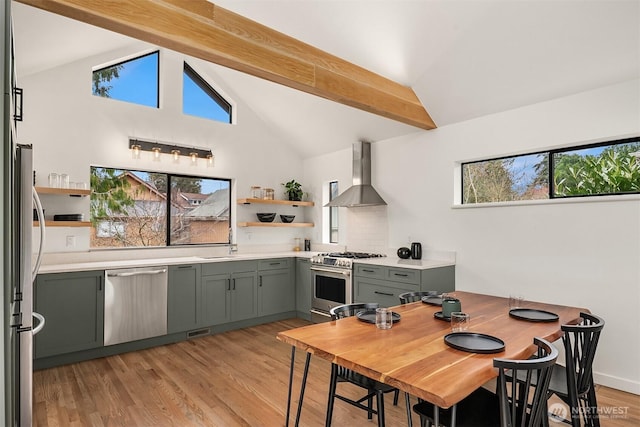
293, 190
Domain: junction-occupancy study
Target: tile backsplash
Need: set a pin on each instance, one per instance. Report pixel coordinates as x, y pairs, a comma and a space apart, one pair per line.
367, 229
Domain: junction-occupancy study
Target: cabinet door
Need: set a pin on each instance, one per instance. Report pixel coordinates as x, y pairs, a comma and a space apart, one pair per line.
73, 307
303, 285
276, 292
244, 296
216, 294
441, 279
183, 308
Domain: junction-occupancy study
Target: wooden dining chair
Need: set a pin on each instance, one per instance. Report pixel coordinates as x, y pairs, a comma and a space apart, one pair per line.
515, 403
408, 297
573, 383
341, 374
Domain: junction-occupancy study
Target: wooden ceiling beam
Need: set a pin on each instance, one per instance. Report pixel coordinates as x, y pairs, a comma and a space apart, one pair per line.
204, 30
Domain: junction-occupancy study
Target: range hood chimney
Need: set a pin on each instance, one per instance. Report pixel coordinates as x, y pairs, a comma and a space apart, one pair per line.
361, 193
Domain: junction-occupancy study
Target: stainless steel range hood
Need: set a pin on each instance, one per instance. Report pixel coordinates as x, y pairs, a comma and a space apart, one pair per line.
361, 193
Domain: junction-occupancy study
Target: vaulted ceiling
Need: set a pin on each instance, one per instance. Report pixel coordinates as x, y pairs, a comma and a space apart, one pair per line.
463, 59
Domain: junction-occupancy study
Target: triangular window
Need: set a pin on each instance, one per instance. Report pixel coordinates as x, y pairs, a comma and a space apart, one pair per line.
135, 80
200, 99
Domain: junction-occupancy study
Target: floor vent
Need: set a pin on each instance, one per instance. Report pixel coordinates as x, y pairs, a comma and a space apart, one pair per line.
198, 333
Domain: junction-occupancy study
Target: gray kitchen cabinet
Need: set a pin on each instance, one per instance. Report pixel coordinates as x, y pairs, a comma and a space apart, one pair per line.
441, 279
73, 307
382, 284
229, 292
303, 287
276, 288
183, 299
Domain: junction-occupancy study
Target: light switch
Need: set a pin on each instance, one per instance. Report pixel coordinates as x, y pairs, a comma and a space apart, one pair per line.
71, 241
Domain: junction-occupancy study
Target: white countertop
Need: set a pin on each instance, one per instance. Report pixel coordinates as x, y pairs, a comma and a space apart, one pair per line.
416, 264
63, 267
151, 262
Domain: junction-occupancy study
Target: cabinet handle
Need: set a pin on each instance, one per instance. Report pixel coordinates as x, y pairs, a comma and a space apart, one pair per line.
401, 275
260, 281
368, 271
185, 266
100, 279
383, 293
274, 263
228, 284
234, 284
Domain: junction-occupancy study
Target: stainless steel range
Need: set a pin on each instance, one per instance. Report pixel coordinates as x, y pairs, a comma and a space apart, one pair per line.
331, 279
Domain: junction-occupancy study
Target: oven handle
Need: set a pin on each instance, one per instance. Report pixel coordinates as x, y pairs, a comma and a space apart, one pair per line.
326, 270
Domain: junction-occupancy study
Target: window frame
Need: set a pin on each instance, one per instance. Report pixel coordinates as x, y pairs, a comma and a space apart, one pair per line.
225, 105
333, 210
124, 61
168, 211
551, 195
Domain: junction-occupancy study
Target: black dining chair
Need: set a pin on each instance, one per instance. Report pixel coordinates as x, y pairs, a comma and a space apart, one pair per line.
408, 297
341, 374
515, 403
574, 383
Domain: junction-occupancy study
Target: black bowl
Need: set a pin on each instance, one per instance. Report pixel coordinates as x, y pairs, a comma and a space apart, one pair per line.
266, 217
287, 218
404, 253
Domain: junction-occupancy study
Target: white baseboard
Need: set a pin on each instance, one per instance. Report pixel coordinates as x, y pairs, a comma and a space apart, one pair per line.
617, 383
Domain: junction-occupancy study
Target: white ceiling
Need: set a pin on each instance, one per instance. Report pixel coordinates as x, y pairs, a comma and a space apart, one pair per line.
464, 59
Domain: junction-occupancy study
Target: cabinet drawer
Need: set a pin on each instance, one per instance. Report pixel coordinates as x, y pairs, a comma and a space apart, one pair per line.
366, 270
225, 267
404, 275
386, 296
273, 264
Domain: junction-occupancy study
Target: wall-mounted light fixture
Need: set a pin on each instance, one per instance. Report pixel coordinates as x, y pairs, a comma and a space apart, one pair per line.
158, 148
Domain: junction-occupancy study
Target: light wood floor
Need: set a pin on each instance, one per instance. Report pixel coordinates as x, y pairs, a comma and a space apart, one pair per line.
237, 378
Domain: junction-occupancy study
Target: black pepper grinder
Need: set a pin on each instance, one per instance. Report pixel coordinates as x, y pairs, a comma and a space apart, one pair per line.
416, 250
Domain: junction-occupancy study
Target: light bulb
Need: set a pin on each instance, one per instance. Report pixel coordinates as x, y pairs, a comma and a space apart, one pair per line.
210, 160
194, 158
156, 154
135, 151
176, 156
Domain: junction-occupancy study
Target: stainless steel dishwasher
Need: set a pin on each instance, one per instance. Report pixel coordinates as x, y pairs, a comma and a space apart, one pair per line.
135, 304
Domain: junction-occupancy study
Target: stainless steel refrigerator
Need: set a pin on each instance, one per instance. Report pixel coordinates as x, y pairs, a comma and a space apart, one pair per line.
19, 263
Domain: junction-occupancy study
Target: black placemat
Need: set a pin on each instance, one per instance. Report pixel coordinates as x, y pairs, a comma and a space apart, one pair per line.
533, 315
438, 315
432, 299
473, 342
369, 316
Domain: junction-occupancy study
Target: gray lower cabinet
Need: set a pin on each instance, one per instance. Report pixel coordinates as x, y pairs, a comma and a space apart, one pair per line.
184, 312
303, 287
229, 292
276, 288
73, 307
381, 284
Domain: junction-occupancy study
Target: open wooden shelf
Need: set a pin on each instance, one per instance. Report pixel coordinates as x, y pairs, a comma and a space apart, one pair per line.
274, 202
275, 224
64, 223
63, 191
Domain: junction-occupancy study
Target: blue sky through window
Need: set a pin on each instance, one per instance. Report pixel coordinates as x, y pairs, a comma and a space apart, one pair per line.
137, 81
196, 101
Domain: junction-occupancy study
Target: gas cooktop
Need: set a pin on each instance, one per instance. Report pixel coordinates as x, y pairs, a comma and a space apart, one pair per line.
342, 259
352, 255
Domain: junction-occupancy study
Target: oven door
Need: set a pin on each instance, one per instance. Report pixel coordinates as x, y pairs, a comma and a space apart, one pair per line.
331, 288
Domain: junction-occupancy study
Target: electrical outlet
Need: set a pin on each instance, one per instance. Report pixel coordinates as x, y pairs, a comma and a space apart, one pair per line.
71, 241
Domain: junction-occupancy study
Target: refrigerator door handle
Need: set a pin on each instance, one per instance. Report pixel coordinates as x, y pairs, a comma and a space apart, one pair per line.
41, 322
41, 225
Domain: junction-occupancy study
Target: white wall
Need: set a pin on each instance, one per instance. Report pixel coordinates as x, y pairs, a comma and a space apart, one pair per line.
71, 129
585, 254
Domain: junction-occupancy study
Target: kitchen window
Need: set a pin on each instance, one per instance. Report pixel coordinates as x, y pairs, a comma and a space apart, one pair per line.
133, 209
135, 80
606, 168
333, 213
201, 100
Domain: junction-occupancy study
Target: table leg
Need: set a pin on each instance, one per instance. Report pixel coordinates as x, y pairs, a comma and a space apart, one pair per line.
407, 402
293, 358
302, 387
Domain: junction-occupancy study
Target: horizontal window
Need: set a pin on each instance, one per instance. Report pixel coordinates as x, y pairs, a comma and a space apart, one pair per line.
606, 168
149, 209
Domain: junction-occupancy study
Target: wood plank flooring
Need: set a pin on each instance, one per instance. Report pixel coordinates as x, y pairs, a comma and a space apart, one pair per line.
237, 378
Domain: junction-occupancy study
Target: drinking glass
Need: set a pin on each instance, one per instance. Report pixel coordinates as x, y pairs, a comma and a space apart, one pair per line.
384, 318
515, 301
54, 180
459, 321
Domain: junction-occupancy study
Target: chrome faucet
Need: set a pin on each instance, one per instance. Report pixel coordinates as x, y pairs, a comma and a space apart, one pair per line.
233, 247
